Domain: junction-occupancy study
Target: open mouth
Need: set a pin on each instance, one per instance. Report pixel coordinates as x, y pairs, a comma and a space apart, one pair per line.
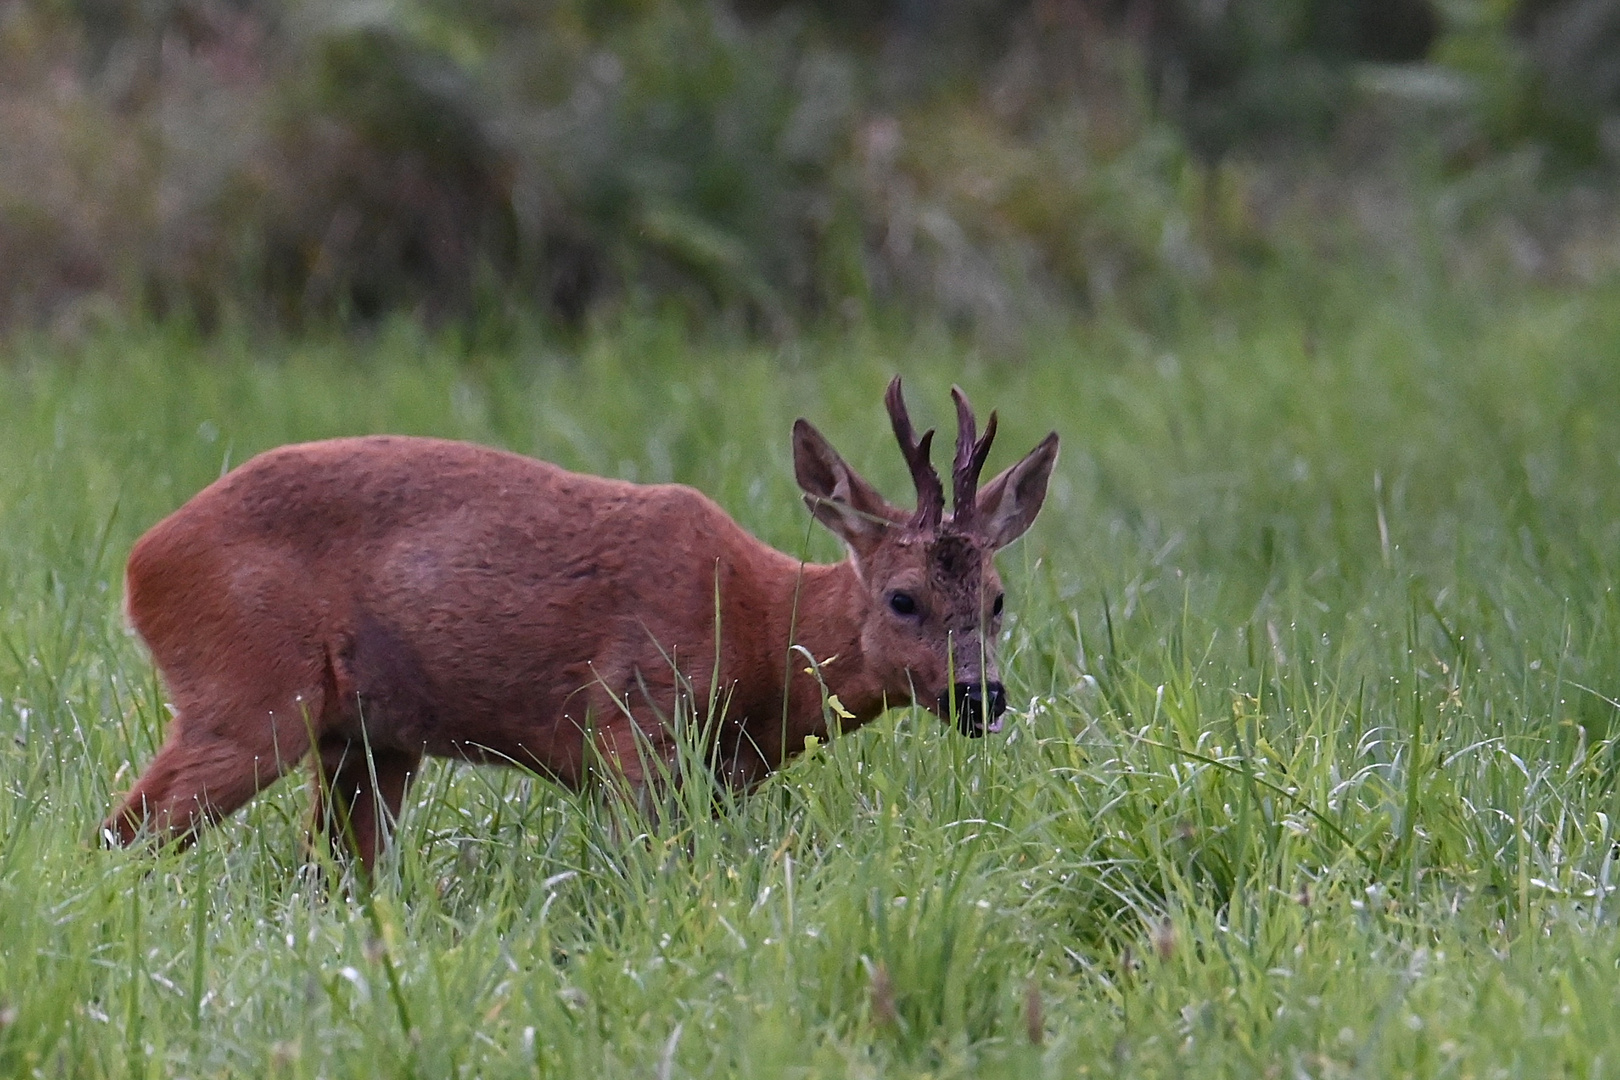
977, 729
969, 703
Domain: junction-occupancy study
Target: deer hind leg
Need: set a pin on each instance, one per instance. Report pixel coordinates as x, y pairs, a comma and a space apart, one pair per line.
358, 792
214, 760
235, 639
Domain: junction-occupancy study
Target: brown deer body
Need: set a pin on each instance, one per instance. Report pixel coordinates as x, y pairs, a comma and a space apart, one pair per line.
377, 599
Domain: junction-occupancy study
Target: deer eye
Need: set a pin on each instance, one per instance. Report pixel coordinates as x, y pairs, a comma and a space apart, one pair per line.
902, 603
1001, 602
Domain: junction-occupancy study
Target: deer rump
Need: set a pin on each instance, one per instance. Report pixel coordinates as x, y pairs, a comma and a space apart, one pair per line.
367, 601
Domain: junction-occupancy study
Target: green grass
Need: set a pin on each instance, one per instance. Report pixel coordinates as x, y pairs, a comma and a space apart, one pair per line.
1311, 771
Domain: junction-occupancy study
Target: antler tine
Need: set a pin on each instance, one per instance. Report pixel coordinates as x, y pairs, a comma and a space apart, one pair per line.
930, 492
971, 452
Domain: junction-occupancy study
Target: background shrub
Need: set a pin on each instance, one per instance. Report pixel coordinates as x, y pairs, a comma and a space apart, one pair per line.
762, 165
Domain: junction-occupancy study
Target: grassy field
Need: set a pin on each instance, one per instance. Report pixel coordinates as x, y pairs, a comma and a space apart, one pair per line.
1311, 770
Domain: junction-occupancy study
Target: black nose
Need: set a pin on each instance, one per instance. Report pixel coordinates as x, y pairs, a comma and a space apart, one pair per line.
971, 702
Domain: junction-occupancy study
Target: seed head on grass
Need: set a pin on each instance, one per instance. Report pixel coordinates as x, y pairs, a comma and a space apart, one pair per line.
884, 1014
1034, 1013
1164, 939
284, 1055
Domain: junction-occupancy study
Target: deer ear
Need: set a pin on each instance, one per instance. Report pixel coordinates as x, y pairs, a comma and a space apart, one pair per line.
836, 494
1008, 504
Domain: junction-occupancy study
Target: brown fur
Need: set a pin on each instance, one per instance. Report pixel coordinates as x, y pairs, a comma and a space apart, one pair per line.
383, 598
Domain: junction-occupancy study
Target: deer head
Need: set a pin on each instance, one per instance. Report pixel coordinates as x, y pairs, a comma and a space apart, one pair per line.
932, 598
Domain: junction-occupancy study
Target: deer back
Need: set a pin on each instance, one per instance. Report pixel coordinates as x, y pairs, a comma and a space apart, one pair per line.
481, 603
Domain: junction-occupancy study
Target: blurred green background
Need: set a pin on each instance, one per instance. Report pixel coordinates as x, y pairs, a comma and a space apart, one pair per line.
763, 166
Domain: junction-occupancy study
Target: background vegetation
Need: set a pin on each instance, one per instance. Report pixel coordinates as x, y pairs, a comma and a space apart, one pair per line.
765, 166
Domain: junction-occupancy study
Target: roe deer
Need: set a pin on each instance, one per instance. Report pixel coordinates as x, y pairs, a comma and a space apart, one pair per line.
377, 599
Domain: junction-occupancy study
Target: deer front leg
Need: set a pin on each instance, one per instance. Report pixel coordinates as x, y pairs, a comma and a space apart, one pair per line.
358, 794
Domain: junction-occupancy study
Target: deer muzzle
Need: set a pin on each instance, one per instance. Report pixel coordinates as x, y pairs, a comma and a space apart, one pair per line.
977, 707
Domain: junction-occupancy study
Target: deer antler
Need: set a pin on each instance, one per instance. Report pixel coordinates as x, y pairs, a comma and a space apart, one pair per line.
970, 454
930, 493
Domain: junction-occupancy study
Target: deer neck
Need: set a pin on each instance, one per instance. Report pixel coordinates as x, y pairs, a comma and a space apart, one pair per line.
821, 611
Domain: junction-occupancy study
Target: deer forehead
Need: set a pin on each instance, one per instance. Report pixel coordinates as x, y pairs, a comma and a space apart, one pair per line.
957, 569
